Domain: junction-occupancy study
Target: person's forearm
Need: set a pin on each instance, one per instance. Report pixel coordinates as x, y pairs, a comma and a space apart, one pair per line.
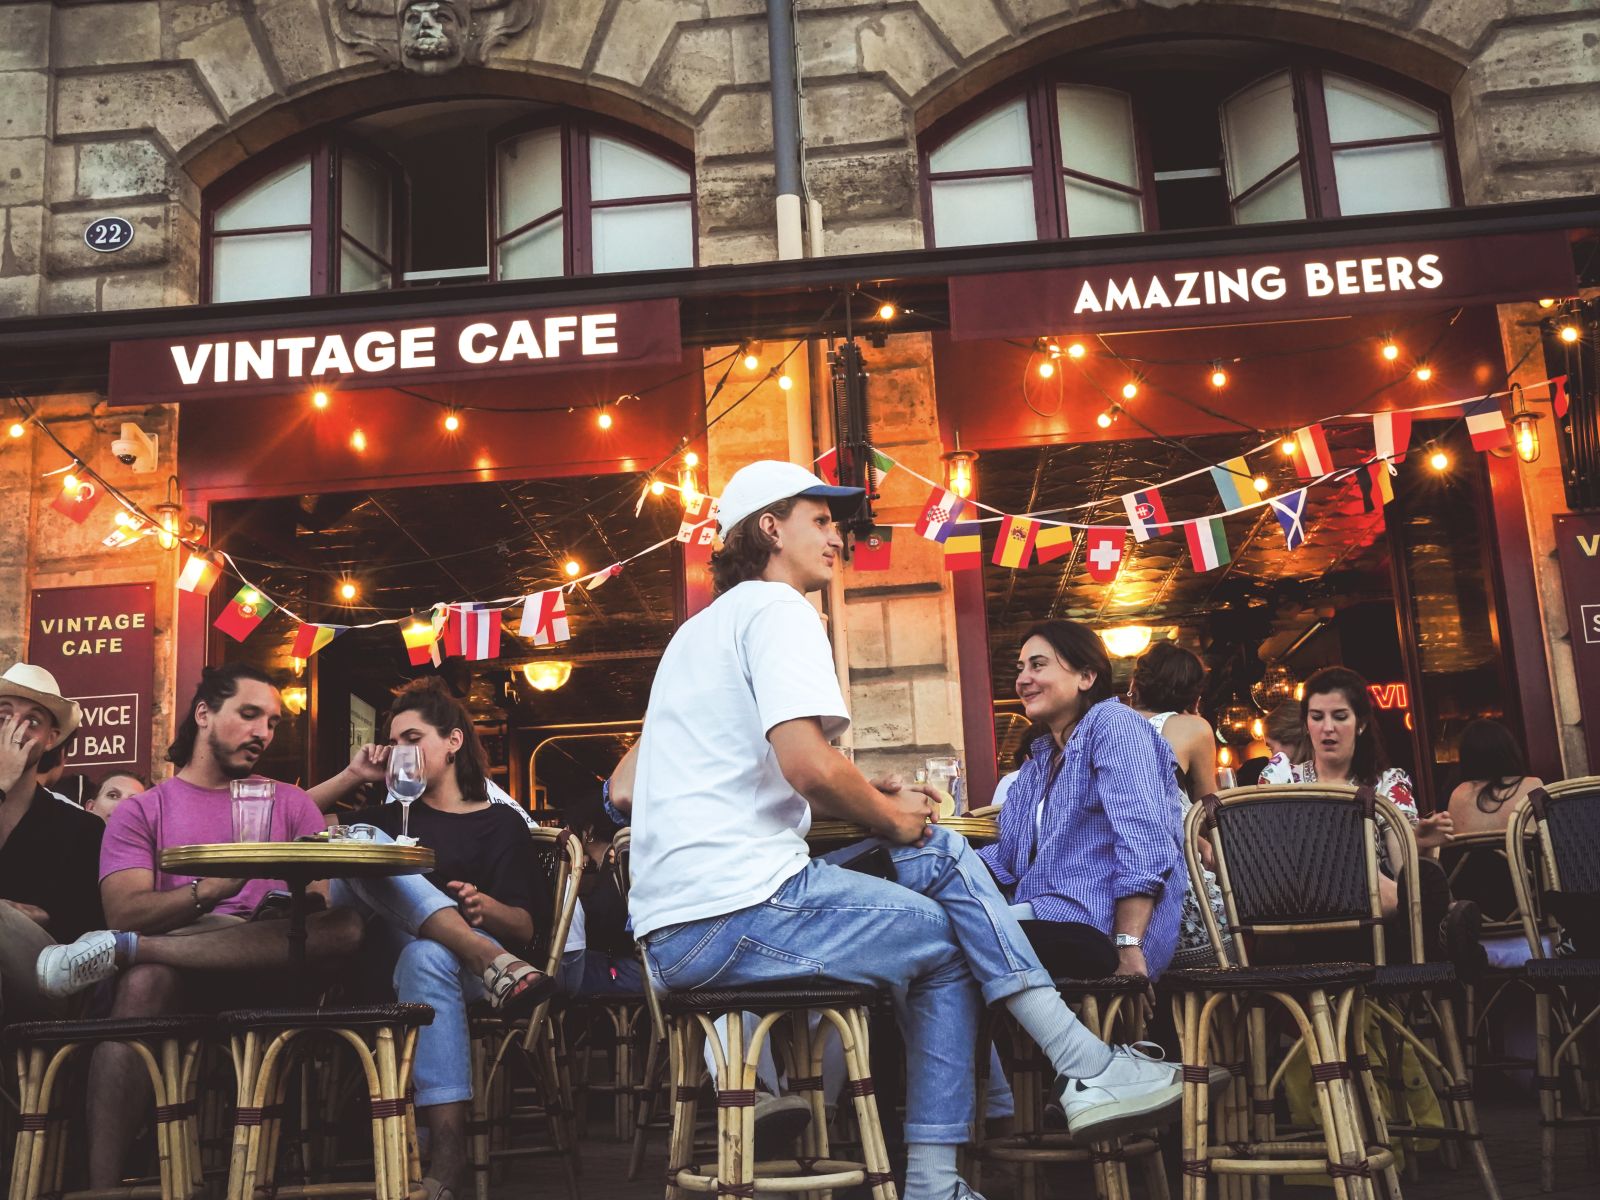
160, 912
330, 792
840, 792
1133, 915
507, 925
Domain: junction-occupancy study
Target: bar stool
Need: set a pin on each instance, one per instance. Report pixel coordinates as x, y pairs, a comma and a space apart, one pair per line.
693, 1015
1099, 1005
384, 1038
169, 1048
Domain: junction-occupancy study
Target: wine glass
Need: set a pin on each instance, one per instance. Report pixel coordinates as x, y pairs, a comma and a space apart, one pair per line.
404, 777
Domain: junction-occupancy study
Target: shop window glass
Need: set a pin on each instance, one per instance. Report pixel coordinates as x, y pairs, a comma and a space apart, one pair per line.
1261, 148
620, 171
1099, 160
536, 253
997, 205
365, 209
262, 243
529, 242
1395, 175
999, 139
635, 236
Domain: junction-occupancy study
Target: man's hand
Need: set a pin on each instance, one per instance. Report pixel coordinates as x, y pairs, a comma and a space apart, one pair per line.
20, 747
474, 904
32, 911
368, 764
214, 891
1433, 832
1130, 961
909, 810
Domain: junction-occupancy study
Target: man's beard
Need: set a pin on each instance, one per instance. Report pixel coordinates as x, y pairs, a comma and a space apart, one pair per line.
224, 758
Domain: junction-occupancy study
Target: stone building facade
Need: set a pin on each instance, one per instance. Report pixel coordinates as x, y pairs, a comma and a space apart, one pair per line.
137, 106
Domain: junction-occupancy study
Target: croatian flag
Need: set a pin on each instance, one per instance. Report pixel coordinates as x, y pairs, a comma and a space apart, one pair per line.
544, 618
939, 515
472, 632
1391, 435
1290, 509
1104, 554
1146, 513
1487, 424
1312, 460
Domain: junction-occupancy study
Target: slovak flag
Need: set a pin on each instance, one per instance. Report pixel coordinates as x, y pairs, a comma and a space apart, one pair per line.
1104, 554
1391, 435
1146, 513
472, 632
939, 515
1487, 424
544, 618
1311, 460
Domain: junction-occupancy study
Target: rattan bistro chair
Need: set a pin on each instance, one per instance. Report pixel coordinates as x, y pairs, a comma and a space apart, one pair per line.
1565, 857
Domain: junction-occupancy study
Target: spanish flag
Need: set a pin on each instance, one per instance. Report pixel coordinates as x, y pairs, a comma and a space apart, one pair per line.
308, 639
1053, 542
1015, 547
963, 547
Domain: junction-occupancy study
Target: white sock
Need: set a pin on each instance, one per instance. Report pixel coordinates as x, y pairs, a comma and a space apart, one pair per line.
930, 1171
1072, 1050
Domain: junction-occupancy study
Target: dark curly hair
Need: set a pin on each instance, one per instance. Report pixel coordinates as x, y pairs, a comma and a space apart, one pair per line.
1081, 649
430, 698
217, 686
746, 548
1167, 678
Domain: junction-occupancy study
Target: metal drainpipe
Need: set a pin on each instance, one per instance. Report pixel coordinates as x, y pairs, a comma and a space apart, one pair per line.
783, 66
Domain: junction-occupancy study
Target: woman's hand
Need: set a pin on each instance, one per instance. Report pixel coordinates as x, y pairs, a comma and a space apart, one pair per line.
473, 903
1435, 831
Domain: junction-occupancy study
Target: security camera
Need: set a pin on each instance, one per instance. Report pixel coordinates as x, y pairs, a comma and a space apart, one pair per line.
136, 448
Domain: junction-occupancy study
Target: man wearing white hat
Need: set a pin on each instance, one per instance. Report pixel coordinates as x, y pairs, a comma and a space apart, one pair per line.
733, 762
49, 850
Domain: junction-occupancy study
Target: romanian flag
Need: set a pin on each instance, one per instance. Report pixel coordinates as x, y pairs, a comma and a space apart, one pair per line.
1311, 460
1377, 484
1052, 542
200, 575
1487, 424
939, 514
871, 553
1146, 513
308, 639
1208, 543
1233, 483
1391, 435
245, 611
963, 546
422, 642
1015, 547
828, 465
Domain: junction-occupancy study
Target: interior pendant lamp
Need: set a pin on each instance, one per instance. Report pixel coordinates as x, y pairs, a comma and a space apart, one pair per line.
547, 674
961, 470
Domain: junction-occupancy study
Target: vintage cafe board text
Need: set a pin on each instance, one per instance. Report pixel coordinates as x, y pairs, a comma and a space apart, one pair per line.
397, 353
1261, 287
99, 643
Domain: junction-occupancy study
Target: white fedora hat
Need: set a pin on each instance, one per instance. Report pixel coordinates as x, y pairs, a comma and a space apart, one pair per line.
37, 684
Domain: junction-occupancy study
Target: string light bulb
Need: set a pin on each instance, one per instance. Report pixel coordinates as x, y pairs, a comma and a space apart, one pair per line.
657, 488
1046, 369
1391, 351
1105, 419
452, 422
1076, 351
1439, 460
572, 568
752, 355
358, 442
1524, 427
17, 429
1568, 333
1423, 372
1288, 447
1219, 378
319, 399
785, 382
1130, 390
69, 482
1260, 484
691, 459
887, 311
604, 420
348, 591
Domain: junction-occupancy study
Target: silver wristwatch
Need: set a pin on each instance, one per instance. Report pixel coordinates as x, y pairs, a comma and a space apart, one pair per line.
1125, 940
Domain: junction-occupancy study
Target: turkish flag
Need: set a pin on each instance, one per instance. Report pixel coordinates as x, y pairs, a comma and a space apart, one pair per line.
78, 502
1103, 553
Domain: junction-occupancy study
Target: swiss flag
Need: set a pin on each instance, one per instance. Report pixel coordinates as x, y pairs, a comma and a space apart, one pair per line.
77, 502
1104, 551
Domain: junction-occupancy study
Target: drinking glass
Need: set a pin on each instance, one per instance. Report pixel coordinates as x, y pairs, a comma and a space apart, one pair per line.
1226, 778
945, 773
252, 809
404, 777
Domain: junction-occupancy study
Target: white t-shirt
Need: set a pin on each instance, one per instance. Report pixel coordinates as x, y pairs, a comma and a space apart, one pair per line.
716, 826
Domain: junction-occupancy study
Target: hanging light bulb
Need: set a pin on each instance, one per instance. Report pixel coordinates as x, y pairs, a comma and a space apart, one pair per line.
1288, 446
572, 568
961, 472
1391, 351
1076, 351
1105, 419
1423, 372
887, 311
657, 488
1046, 369
169, 518
785, 382
17, 429
691, 459
348, 591
452, 421
1439, 460
1130, 390
688, 487
358, 442
1219, 378
604, 419
69, 482
319, 399
1258, 729
1568, 333
1525, 434
1260, 484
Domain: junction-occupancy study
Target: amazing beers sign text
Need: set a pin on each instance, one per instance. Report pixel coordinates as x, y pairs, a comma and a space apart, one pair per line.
99, 643
397, 353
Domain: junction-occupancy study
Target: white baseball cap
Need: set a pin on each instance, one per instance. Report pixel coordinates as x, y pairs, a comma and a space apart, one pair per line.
760, 484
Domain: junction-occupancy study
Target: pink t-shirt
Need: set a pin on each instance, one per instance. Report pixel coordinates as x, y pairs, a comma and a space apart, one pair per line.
176, 813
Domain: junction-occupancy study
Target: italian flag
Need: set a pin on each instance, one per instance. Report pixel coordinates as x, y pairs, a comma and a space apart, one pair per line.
1208, 543
828, 464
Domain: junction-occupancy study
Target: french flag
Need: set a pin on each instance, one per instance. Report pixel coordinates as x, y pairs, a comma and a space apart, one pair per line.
472, 632
1146, 513
939, 515
1487, 424
1312, 460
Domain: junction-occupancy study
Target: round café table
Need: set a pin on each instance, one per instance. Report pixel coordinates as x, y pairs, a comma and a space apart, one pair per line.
832, 835
298, 864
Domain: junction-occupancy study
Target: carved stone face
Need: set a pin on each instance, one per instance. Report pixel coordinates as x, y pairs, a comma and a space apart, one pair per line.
433, 36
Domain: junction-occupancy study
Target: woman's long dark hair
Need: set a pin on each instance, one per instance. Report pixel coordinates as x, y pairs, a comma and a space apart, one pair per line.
1491, 758
1371, 760
1167, 678
217, 686
431, 700
1081, 649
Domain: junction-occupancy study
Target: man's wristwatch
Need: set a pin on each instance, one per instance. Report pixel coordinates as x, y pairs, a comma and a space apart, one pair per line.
1124, 941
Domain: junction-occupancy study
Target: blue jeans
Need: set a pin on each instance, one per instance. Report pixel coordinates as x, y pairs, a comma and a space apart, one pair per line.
424, 973
596, 973
943, 936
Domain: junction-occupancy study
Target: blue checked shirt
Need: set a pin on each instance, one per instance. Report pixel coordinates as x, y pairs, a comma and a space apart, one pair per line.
1110, 827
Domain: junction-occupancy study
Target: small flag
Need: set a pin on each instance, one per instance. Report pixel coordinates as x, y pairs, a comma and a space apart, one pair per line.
963, 546
245, 611
128, 531
472, 631
1015, 547
544, 618
1377, 484
422, 642
1391, 435
1487, 424
600, 577
871, 553
1233, 483
1104, 553
1052, 542
1311, 460
200, 574
1208, 543
938, 515
828, 465
1146, 513
1558, 396
694, 516
308, 639
78, 502
1290, 509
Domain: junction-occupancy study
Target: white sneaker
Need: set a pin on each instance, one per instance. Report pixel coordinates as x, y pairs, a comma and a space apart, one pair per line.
1137, 1091
65, 970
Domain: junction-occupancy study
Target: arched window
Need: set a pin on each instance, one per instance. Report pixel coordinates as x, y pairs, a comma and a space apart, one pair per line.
1182, 135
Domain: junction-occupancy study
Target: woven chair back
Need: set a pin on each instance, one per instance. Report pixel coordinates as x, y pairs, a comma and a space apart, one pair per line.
1478, 870
558, 865
622, 860
1553, 844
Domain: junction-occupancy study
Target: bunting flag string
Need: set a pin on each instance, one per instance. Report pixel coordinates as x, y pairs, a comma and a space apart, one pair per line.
1208, 544
1015, 547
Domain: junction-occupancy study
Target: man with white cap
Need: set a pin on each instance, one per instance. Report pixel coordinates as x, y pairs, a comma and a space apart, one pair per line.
49, 850
733, 762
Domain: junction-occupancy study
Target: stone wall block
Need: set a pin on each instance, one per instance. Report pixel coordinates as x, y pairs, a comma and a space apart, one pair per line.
61, 171
637, 35
27, 95
871, 237
969, 25
901, 46
936, 712
22, 170
858, 111
1387, 12
868, 643
138, 289
830, 43
697, 63
182, 18
299, 38
916, 624
560, 33
750, 62
1543, 55
134, 167
19, 297
738, 123
1540, 130
733, 197
880, 184
1460, 22
902, 405
881, 713
68, 253
20, 240
228, 59
24, 36
165, 98
726, 249
98, 35
1027, 13
77, 295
